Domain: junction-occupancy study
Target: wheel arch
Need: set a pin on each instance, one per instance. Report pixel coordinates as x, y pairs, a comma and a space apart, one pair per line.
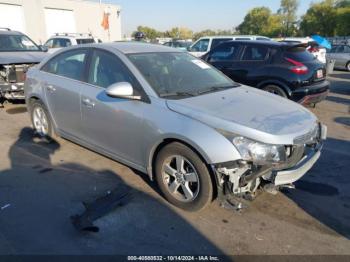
276, 82
166, 141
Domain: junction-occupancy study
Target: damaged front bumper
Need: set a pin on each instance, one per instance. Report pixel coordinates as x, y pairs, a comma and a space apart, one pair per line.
12, 79
291, 175
242, 179
11, 91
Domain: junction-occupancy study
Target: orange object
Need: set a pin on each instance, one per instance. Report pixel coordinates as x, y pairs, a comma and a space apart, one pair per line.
105, 21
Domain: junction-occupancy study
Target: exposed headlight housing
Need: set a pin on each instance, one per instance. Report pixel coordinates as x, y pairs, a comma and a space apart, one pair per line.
259, 153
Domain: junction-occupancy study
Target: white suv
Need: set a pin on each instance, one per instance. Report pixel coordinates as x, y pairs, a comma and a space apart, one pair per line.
204, 44
62, 40
318, 51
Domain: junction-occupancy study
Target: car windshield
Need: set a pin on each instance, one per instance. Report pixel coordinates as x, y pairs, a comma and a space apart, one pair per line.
179, 74
14, 43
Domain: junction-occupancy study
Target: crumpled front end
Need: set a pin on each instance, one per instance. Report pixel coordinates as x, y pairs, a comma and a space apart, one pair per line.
12, 79
243, 178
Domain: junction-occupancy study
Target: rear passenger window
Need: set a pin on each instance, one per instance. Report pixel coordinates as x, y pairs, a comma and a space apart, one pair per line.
107, 69
255, 53
217, 41
69, 64
225, 52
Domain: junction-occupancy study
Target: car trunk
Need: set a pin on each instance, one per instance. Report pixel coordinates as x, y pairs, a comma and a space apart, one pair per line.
297, 56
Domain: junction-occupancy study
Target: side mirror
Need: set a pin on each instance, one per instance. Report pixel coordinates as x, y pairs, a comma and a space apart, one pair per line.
188, 49
44, 48
122, 90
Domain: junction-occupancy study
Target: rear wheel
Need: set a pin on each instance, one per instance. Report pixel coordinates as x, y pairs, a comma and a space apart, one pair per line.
275, 90
348, 66
41, 120
183, 177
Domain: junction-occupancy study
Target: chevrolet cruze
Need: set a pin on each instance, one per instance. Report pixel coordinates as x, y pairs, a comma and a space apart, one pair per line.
166, 113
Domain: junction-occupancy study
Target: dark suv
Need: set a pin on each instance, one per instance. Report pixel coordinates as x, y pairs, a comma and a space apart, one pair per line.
284, 69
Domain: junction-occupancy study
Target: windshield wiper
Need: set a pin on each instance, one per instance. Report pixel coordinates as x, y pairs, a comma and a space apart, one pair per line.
180, 93
216, 88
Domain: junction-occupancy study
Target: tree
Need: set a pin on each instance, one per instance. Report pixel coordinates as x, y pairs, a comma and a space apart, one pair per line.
320, 18
180, 33
148, 31
256, 22
288, 16
206, 32
343, 19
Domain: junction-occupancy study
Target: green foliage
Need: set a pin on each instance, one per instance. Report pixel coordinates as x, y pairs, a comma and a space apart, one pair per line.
343, 21
256, 22
260, 21
320, 19
288, 16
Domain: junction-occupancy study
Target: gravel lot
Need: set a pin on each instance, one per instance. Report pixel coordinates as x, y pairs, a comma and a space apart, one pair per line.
44, 185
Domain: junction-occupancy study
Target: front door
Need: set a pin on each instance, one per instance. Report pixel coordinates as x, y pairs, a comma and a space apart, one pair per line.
112, 124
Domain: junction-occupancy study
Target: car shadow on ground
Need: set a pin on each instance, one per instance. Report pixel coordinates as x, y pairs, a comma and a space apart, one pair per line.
343, 120
39, 197
339, 100
327, 197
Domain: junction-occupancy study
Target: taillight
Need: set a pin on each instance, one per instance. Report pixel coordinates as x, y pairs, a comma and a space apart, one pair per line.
298, 68
313, 49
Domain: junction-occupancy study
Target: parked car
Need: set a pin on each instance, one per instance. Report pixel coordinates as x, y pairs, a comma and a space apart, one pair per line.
163, 112
204, 44
284, 69
341, 55
17, 53
182, 45
61, 40
311, 46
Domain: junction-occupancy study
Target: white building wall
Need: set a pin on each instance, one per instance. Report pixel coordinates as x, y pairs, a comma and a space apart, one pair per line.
88, 17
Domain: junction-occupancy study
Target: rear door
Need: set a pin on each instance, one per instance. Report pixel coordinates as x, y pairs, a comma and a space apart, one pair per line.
253, 64
226, 58
62, 81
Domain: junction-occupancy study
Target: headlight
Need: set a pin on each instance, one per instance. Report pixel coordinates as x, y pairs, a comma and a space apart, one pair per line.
259, 153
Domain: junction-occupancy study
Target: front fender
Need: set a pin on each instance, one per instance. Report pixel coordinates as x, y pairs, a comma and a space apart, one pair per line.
207, 141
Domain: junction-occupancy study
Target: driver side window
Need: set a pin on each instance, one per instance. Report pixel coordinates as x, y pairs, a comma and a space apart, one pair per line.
107, 69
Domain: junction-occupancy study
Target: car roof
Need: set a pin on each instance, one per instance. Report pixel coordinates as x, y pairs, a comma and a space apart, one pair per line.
9, 32
264, 43
234, 36
128, 47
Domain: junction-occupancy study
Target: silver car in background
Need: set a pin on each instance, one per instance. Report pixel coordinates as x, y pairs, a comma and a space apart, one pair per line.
341, 55
176, 118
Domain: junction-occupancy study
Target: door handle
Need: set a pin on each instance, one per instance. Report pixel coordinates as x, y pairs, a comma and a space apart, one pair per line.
88, 103
51, 88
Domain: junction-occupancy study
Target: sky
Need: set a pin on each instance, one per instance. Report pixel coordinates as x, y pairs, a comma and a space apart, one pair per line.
194, 14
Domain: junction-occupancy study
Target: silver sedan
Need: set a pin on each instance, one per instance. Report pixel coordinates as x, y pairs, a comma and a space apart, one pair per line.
176, 118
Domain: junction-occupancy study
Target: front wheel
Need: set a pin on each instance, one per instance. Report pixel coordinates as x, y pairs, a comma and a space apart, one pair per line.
348, 66
183, 177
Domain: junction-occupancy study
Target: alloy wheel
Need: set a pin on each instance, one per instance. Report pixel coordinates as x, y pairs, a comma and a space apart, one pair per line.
181, 178
40, 121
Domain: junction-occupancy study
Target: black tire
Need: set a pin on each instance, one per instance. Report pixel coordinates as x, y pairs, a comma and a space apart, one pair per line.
348, 66
50, 134
274, 89
204, 186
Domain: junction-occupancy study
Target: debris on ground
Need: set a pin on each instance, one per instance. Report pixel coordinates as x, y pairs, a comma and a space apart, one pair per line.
100, 207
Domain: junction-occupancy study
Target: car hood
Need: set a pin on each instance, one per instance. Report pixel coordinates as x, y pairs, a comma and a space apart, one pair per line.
249, 112
21, 57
